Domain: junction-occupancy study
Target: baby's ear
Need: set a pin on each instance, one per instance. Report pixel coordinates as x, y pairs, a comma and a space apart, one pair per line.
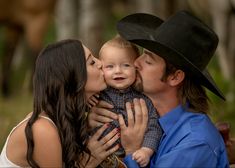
176, 78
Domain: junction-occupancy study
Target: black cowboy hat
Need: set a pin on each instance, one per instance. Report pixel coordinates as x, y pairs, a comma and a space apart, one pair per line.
183, 40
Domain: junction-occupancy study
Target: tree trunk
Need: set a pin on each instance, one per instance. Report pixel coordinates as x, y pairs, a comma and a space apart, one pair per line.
223, 25
65, 20
145, 6
92, 18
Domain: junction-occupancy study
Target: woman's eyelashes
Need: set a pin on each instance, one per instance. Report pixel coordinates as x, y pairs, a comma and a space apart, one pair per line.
92, 62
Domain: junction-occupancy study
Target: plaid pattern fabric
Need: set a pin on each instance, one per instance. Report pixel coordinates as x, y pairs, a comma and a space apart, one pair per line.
112, 161
118, 99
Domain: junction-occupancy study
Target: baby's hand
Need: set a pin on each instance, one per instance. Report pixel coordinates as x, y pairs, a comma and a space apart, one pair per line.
93, 100
142, 156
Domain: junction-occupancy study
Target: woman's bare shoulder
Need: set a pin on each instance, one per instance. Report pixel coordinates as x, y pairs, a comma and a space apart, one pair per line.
47, 144
45, 129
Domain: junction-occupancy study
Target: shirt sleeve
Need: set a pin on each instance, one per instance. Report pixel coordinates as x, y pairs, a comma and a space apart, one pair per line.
153, 133
129, 162
190, 155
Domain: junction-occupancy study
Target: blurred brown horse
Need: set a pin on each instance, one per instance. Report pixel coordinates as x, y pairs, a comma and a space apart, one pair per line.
22, 17
224, 129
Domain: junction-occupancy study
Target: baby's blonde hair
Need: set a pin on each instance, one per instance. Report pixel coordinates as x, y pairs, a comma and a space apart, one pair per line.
120, 42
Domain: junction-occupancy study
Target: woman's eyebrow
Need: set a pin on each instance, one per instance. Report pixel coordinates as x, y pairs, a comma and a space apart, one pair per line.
89, 56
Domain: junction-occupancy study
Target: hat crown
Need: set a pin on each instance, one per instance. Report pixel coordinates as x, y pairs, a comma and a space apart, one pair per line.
189, 37
182, 40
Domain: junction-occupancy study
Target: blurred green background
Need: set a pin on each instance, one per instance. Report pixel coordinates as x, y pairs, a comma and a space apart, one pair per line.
104, 14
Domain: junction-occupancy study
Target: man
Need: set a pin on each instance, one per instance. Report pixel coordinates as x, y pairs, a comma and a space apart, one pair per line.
173, 73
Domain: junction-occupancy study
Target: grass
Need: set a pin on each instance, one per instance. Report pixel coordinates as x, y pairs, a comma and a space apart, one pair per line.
12, 111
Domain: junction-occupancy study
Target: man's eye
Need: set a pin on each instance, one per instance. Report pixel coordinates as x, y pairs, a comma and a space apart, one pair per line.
147, 62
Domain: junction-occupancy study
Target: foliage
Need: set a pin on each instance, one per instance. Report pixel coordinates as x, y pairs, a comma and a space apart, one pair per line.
222, 111
12, 112
14, 109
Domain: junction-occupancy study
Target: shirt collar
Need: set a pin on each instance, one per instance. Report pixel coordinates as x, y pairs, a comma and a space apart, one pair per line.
113, 90
169, 119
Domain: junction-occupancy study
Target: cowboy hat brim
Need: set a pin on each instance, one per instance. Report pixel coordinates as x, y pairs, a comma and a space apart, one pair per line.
140, 28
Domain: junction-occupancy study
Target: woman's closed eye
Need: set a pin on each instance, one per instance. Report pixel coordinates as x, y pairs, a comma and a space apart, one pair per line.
92, 62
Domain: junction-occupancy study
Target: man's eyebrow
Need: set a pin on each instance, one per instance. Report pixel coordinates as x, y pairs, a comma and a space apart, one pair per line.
148, 53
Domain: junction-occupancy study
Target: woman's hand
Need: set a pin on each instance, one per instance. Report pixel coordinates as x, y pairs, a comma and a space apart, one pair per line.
133, 134
100, 148
101, 114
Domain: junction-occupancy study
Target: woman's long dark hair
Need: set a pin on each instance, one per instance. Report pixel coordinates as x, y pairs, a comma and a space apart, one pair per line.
59, 91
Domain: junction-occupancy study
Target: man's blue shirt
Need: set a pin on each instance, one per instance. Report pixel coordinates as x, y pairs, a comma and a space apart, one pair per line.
189, 140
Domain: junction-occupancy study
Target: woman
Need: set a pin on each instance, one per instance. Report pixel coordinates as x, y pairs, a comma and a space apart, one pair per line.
55, 133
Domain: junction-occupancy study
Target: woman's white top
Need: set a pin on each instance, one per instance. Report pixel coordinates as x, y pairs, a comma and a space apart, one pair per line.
4, 161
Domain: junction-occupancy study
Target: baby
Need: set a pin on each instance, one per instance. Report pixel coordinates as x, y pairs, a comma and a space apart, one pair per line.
118, 56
